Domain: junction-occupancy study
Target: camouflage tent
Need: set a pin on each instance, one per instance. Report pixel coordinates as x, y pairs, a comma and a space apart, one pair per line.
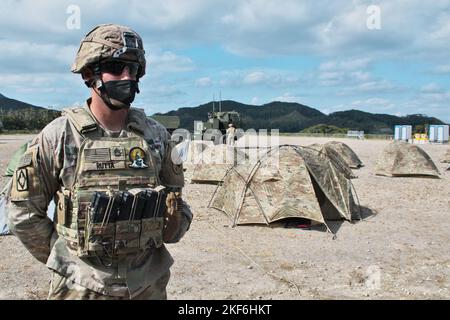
446, 158
208, 163
287, 182
336, 157
345, 152
403, 159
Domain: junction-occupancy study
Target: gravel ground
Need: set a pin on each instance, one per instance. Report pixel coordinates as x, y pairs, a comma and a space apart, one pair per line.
400, 250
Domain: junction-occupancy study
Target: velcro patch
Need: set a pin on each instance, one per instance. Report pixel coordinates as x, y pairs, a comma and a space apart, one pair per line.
22, 180
26, 160
107, 165
97, 155
118, 154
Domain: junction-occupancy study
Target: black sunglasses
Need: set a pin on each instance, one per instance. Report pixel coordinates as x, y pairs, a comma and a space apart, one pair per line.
116, 67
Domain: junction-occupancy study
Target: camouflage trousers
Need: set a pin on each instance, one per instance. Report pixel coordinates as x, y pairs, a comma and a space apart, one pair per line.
63, 289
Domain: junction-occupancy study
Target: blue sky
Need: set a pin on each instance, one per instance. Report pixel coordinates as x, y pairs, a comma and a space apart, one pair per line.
377, 56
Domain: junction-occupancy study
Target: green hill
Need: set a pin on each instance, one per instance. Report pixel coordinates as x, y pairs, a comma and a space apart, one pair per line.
18, 115
376, 123
290, 117
295, 117
12, 104
285, 116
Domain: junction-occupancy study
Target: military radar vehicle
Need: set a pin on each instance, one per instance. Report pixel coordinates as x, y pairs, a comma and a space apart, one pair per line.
217, 122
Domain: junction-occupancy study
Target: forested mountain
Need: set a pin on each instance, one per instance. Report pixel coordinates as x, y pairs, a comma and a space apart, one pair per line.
285, 116
18, 115
294, 117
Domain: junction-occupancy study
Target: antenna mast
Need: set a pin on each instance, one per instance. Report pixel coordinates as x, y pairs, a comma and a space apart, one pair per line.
220, 100
213, 103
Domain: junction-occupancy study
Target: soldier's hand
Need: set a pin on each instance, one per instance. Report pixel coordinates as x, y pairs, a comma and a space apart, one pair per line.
172, 216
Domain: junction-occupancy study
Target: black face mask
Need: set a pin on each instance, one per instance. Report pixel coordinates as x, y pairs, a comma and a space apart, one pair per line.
119, 94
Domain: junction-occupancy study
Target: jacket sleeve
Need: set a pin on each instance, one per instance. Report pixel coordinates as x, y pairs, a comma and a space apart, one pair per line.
33, 186
172, 177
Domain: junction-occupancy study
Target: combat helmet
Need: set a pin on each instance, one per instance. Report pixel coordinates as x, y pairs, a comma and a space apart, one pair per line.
110, 48
110, 42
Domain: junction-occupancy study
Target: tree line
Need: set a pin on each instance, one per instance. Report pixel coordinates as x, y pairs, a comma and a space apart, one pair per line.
27, 119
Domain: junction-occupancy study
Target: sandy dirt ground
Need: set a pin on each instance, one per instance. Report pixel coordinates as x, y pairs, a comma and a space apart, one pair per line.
401, 250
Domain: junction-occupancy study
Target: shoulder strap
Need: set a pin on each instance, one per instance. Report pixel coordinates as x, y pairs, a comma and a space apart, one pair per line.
137, 120
81, 119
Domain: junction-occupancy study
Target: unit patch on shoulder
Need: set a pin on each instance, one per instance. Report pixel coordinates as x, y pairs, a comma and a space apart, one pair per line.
22, 180
137, 157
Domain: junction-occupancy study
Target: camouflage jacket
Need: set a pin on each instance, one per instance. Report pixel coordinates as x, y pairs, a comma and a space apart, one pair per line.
54, 166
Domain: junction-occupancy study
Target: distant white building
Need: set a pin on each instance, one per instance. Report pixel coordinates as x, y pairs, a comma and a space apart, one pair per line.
355, 134
438, 133
403, 132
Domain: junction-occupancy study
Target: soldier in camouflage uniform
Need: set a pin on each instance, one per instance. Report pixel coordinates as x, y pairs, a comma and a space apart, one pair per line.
109, 170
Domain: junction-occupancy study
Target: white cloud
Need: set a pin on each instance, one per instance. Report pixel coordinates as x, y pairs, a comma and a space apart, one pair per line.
256, 77
377, 86
344, 72
203, 82
436, 97
164, 91
168, 62
331, 78
428, 105
360, 76
255, 101
442, 69
373, 105
264, 77
288, 97
327, 28
36, 42
345, 65
431, 88
23, 57
37, 81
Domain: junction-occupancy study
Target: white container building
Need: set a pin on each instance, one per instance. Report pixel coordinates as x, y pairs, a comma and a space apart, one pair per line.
438, 133
403, 132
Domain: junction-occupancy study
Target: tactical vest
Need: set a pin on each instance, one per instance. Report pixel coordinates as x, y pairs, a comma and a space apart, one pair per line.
115, 205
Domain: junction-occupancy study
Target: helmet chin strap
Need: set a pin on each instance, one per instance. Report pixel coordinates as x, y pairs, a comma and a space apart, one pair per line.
98, 86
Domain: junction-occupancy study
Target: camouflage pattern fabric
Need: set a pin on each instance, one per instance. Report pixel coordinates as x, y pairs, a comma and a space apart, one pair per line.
446, 158
289, 182
211, 164
345, 152
337, 159
333, 189
403, 159
62, 288
105, 42
50, 161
